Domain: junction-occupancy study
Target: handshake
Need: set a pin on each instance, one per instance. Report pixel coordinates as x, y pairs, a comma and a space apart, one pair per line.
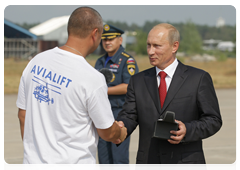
114, 134
123, 132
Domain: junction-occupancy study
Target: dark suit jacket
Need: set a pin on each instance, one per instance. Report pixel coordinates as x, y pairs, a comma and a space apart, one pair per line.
191, 96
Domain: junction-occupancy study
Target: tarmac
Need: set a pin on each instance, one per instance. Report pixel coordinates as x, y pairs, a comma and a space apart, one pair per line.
219, 148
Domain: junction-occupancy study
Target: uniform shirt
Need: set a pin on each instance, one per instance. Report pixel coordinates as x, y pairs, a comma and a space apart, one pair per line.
65, 100
123, 66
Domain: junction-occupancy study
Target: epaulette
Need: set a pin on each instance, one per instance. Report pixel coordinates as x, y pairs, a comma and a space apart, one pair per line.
125, 54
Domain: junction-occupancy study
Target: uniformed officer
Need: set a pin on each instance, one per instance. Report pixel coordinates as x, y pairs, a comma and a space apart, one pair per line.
123, 66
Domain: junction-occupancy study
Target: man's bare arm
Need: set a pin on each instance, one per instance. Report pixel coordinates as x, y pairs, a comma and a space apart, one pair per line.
118, 89
113, 134
21, 116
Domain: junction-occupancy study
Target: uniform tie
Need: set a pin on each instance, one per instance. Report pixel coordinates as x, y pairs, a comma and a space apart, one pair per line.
162, 87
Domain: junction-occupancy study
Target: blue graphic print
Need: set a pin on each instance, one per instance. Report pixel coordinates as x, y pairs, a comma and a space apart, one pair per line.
53, 77
41, 91
41, 94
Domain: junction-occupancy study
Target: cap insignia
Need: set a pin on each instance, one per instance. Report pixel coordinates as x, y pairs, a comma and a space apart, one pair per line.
106, 27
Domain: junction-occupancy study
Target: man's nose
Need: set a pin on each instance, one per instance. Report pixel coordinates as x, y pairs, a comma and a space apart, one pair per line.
151, 50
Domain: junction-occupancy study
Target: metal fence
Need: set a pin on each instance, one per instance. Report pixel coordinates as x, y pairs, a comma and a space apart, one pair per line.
26, 48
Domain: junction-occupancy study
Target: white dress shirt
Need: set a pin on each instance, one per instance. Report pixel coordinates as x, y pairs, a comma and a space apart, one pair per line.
170, 70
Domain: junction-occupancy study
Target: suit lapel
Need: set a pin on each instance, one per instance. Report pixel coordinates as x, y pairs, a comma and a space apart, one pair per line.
151, 83
178, 79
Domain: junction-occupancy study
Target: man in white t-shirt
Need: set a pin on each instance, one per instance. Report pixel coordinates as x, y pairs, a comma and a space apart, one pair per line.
62, 100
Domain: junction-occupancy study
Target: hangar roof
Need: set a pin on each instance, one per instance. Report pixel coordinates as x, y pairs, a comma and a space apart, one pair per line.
12, 30
49, 25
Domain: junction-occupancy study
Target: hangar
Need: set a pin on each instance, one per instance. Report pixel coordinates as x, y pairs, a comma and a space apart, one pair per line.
12, 30
21, 43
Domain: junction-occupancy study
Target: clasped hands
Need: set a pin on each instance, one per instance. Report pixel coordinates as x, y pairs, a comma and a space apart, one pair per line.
123, 132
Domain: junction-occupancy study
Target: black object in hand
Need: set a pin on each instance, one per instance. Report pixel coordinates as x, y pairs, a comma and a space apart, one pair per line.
165, 125
107, 74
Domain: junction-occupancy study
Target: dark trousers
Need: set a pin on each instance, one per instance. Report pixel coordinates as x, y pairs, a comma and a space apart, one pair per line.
109, 153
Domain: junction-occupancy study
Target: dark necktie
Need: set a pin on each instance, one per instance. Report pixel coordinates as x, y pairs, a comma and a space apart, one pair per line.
162, 87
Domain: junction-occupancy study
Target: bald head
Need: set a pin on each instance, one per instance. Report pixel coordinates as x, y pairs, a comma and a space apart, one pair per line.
173, 34
83, 20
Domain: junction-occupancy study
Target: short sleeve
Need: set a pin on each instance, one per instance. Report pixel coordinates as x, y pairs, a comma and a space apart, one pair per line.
99, 108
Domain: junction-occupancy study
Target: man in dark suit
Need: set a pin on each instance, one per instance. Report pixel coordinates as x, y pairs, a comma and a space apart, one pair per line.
189, 92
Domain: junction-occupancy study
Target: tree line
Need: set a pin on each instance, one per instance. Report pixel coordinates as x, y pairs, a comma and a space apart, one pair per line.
225, 33
191, 35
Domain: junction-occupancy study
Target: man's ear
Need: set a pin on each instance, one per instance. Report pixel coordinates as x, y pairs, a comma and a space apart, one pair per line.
94, 34
120, 38
175, 47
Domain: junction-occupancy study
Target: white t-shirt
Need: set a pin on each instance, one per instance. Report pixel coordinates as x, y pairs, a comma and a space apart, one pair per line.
65, 98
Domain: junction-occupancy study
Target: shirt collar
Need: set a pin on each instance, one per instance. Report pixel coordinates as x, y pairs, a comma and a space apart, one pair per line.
115, 57
169, 69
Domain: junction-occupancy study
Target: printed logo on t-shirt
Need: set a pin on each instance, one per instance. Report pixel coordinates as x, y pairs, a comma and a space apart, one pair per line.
42, 88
